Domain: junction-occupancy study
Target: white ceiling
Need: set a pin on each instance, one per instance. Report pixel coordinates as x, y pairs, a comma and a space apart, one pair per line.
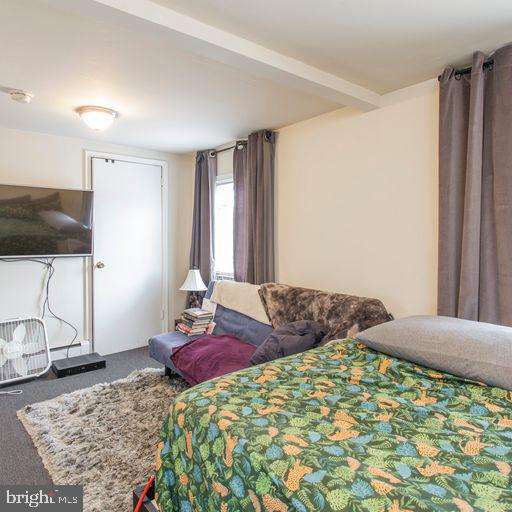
383, 45
174, 95
168, 99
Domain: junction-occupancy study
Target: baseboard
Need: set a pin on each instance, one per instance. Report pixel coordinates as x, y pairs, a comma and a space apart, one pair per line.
78, 349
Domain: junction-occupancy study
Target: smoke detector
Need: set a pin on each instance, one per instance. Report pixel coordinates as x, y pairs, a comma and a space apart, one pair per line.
21, 96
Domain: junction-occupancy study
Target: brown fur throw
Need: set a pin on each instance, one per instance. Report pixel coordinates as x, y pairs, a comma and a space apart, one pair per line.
339, 313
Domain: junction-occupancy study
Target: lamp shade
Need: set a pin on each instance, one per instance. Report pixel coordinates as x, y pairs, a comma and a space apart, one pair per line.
193, 282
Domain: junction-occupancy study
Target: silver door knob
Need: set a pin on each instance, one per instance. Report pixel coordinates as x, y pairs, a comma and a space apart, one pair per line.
100, 264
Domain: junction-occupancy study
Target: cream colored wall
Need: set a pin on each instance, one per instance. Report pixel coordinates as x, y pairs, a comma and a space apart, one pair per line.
357, 202
181, 204
28, 158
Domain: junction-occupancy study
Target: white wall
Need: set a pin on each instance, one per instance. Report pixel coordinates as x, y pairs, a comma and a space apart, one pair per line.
357, 202
28, 158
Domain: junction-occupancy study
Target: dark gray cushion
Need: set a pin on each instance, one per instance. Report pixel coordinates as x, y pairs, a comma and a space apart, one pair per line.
228, 321
162, 346
473, 350
290, 339
209, 291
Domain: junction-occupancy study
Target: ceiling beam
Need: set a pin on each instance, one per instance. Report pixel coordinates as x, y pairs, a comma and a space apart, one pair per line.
228, 48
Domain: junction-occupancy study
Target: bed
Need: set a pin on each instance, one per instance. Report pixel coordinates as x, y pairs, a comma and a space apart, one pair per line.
339, 427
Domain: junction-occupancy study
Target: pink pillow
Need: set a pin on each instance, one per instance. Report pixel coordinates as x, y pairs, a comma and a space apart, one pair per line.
211, 356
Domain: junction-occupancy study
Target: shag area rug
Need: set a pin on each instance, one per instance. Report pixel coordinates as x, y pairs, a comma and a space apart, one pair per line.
103, 437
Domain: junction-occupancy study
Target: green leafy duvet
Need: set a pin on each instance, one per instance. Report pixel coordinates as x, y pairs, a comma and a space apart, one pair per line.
337, 428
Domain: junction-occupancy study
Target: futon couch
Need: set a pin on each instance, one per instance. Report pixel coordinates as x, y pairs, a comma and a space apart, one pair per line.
236, 313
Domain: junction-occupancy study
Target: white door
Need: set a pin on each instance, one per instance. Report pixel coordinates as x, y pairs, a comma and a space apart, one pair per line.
128, 254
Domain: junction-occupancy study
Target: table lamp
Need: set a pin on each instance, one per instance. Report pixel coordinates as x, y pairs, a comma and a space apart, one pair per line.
194, 283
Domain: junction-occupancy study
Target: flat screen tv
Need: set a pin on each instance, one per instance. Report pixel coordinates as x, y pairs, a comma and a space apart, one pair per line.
45, 222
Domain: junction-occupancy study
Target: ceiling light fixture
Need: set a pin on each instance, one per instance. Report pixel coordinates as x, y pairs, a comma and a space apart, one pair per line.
97, 118
20, 96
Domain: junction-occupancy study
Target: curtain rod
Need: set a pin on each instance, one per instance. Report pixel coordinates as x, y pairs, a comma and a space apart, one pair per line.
488, 64
238, 143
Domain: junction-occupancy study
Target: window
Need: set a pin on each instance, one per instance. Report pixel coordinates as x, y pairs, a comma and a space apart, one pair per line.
224, 203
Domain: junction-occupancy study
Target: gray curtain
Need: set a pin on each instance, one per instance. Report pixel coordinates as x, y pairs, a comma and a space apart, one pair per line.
475, 191
201, 249
254, 209
240, 235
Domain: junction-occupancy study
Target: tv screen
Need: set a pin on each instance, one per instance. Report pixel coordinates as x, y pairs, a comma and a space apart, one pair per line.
45, 222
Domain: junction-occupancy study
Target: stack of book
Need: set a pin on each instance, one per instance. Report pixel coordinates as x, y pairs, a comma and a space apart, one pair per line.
195, 321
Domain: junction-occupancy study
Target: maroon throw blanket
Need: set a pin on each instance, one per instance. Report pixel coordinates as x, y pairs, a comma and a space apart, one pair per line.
212, 356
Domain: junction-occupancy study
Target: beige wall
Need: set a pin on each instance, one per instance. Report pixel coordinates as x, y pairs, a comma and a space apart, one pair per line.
181, 203
357, 202
28, 158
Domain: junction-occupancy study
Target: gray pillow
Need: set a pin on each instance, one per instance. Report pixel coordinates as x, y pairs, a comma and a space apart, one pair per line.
473, 350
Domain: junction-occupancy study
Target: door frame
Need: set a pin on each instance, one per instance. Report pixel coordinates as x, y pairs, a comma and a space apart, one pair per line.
88, 155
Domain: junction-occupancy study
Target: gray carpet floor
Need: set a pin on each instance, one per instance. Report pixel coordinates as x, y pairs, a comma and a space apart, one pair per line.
19, 461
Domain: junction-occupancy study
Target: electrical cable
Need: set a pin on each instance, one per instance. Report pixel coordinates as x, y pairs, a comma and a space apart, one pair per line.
46, 304
48, 263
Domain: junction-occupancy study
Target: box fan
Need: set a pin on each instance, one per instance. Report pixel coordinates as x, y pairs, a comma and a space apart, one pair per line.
24, 349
